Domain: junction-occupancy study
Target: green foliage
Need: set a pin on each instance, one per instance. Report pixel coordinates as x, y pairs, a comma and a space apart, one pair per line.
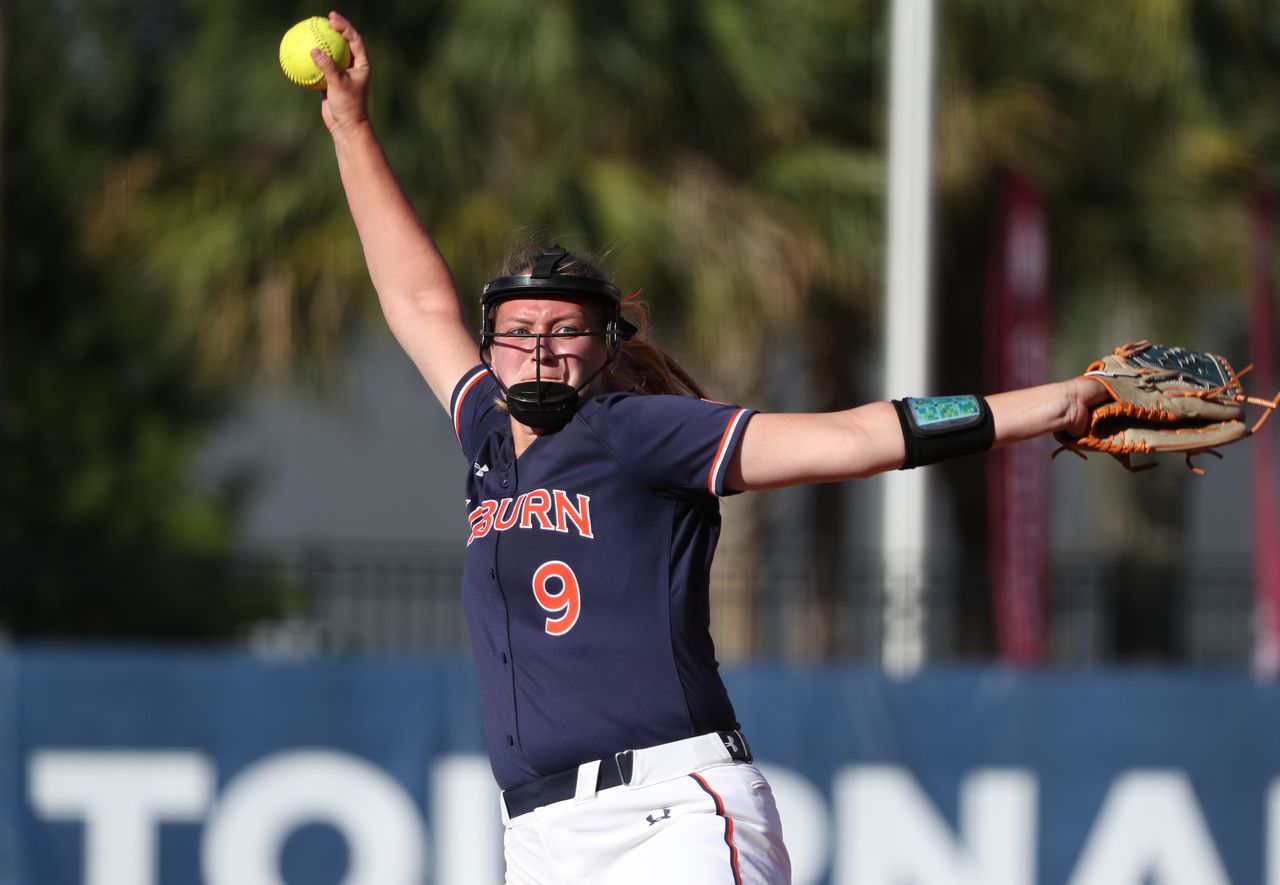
667, 133
104, 405
1143, 124
175, 229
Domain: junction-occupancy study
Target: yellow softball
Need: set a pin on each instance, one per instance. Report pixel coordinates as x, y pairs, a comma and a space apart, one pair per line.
296, 46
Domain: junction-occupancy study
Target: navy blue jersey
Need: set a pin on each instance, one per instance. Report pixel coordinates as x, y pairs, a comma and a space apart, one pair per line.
587, 571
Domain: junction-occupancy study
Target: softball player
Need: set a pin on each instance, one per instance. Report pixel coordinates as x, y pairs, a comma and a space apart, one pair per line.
594, 469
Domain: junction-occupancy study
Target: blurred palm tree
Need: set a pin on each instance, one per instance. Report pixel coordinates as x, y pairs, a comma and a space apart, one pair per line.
681, 136
101, 410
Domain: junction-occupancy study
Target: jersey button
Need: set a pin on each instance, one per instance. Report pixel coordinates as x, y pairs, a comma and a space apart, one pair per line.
504, 657
493, 575
511, 742
505, 483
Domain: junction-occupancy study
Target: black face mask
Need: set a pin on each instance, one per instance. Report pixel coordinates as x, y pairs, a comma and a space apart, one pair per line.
542, 405
545, 405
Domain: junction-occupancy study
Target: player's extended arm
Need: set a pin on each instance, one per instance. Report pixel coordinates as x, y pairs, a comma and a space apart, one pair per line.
788, 449
414, 284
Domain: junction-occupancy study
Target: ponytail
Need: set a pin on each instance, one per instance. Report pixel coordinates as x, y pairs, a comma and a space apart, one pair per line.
642, 367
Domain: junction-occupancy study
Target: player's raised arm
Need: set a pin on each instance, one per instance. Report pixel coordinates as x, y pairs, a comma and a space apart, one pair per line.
414, 284
780, 450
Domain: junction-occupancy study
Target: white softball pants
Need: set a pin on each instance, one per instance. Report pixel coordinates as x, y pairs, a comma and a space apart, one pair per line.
689, 815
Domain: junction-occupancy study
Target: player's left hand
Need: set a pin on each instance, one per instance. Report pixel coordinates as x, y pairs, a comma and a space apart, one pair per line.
1081, 395
1165, 399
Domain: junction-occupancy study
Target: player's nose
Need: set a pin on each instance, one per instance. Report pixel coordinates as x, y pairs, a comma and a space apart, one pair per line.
544, 353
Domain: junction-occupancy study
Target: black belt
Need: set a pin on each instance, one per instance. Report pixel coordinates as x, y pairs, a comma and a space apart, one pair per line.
564, 784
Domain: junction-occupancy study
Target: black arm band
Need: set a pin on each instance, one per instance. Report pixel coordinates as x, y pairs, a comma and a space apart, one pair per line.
937, 428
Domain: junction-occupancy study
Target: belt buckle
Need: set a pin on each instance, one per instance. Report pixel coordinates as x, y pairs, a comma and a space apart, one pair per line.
625, 772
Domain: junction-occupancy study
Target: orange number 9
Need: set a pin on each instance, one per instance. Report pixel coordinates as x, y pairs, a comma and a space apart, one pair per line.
567, 599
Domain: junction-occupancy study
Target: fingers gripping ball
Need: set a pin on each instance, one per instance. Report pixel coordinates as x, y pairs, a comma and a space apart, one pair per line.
295, 51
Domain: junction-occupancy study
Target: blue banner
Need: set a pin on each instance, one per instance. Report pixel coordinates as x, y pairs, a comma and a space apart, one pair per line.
132, 767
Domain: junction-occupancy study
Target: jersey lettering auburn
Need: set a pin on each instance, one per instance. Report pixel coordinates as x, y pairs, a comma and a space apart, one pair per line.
548, 510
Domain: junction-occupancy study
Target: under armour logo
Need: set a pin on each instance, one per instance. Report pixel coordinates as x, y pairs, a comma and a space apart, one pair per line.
666, 815
481, 471
729, 743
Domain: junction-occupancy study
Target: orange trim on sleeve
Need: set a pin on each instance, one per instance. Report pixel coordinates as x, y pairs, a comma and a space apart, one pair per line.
720, 452
457, 407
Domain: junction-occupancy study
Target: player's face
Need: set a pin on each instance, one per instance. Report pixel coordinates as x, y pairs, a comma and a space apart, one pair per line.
568, 360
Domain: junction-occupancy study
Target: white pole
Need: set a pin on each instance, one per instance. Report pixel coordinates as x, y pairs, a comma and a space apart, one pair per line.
907, 319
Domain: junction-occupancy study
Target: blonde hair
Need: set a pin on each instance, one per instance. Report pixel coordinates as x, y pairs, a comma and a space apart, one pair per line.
643, 367
640, 365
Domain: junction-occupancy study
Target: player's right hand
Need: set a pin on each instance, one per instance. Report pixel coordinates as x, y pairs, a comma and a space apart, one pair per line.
346, 97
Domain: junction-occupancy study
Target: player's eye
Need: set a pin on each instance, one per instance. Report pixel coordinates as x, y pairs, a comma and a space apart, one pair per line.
518, 332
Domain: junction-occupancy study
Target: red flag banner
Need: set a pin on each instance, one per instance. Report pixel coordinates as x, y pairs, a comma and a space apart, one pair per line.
1018, 492
1266, 521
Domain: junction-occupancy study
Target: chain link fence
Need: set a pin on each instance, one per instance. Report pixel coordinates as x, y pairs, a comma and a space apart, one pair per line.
406, 600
